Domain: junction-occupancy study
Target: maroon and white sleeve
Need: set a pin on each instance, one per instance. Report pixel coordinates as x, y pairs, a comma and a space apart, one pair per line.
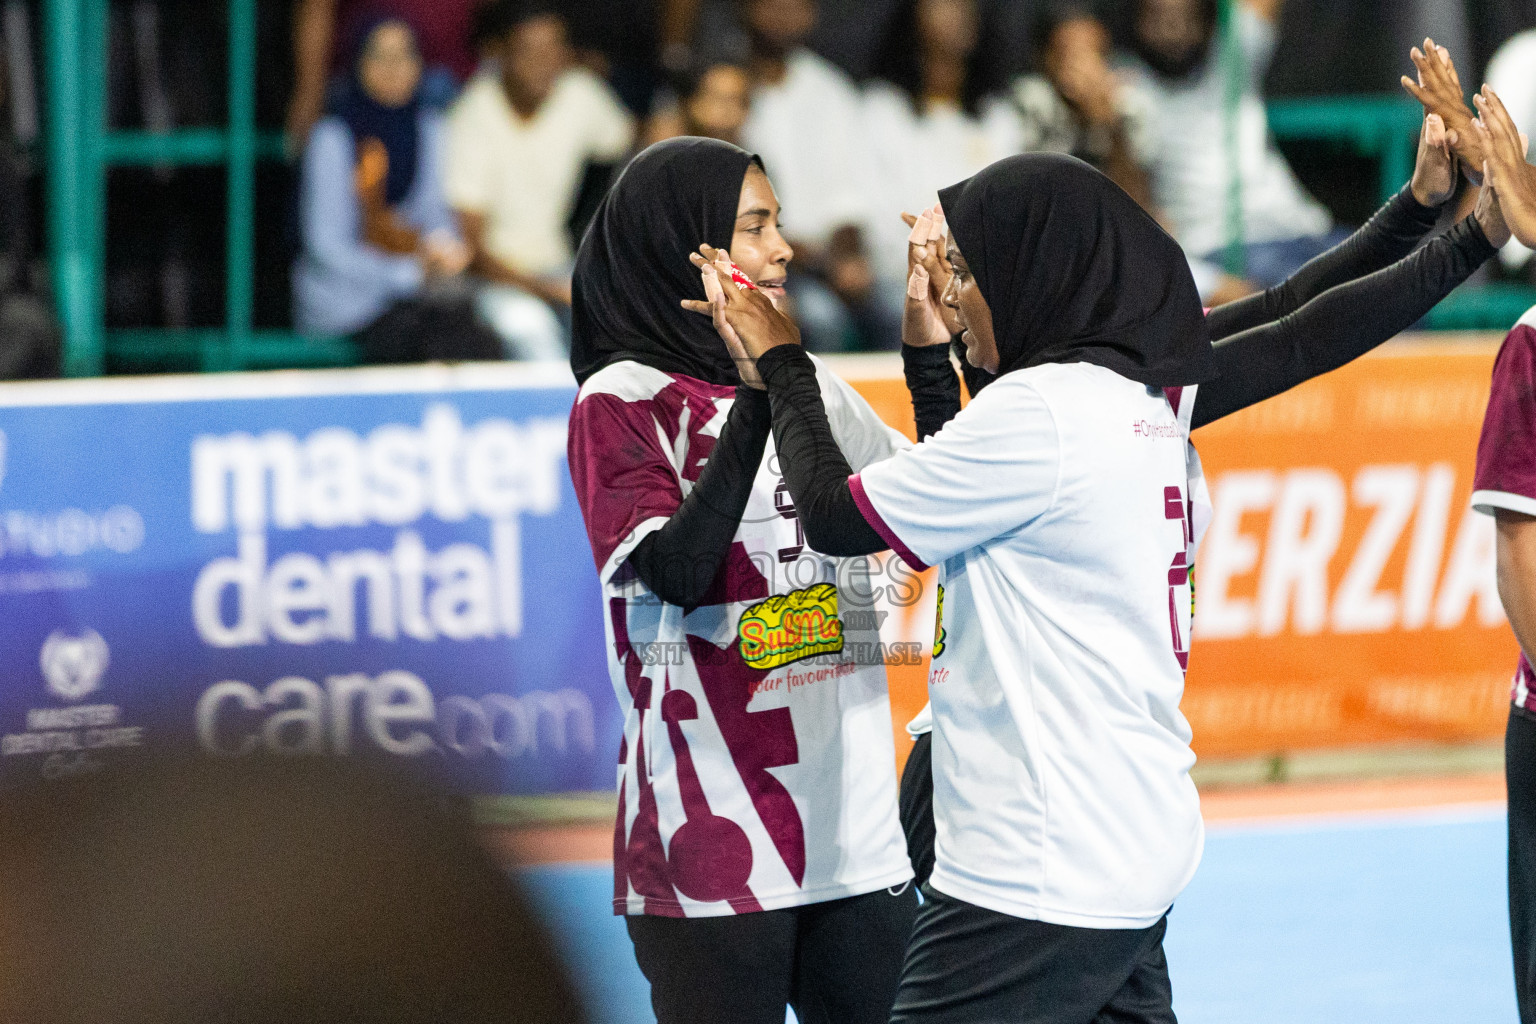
1506, 453
625, 483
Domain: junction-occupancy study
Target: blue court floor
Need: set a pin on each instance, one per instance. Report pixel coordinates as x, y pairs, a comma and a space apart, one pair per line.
1397, 920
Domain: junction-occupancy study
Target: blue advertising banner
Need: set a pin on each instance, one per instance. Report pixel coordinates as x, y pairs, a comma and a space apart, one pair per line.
383, 562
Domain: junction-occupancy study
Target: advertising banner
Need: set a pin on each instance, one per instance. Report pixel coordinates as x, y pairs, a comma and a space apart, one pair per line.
385, 562
1346, 593
392, 562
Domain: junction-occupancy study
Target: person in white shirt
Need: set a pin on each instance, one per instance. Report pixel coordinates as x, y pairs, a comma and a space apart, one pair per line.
1060, 504
934, 113
519, 142
1065, 506
1075, 101
1183, 65
806, 123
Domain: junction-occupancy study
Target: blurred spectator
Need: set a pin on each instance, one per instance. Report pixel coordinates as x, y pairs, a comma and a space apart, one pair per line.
302, 891
376, 225
711, 101
321, 27
520, 143
30, 340
617, 40
1512, 74
1490, 24
1183, 67
805, 123
934, 115
1075, 103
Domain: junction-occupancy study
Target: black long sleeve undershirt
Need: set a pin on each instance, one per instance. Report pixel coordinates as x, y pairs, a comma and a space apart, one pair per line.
1391, 233
813, 465
934, 385
1335, 327
679, 561
1340, 325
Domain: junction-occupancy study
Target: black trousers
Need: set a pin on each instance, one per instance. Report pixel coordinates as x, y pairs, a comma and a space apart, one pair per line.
916, 807
835, 963
1520, 775
969, 965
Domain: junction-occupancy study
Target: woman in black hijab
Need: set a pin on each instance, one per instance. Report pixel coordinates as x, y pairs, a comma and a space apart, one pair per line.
757, 854
632, 266
1264, 344
1064, 504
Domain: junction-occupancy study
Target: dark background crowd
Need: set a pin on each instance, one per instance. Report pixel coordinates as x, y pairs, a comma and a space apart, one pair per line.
442, 156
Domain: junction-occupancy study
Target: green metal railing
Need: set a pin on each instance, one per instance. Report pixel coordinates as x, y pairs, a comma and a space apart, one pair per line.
1385, 128
80, 149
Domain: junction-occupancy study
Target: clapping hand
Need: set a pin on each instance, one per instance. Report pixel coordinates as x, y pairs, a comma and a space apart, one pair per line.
1434, 174
925, 320
745, 318
705, 260
1511, 178
1439, 89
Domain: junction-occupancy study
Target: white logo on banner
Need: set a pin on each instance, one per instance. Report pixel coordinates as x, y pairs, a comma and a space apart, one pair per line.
395, 476
74, 665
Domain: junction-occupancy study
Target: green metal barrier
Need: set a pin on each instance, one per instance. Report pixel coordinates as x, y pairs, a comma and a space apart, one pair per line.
1384, 127
80, 149
1387, 128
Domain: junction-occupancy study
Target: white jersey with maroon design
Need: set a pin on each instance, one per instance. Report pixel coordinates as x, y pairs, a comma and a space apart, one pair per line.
757, 769
1064, 505
1506, 454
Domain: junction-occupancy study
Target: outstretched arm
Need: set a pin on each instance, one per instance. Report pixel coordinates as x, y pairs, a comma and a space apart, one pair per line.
314, 26
1387, 237
1347, 321
813, 465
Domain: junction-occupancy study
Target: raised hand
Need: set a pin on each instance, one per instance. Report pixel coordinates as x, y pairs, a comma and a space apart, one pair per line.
705, 259
746, 319
922, 318
925, 319
1434, 175
1490, 216
1439, 89
1511, 178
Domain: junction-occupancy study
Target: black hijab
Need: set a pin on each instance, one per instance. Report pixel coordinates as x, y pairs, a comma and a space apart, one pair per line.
398, 128
632, 269
1076, 272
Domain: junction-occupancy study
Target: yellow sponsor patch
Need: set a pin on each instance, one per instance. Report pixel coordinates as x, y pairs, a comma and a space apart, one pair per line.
939, 632
788, 627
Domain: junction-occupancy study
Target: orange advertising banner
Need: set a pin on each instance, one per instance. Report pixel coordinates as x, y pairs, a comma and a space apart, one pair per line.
1345, 592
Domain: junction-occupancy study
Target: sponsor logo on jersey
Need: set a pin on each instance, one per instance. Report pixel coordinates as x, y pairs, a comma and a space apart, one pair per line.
939, 632
789, 627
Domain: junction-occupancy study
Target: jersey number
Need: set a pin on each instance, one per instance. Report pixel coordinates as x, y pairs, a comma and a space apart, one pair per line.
1178, 572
